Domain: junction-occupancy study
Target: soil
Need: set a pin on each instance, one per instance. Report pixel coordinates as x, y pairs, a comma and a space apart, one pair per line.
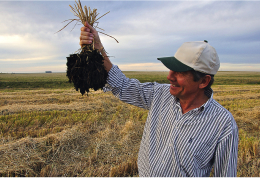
86, 70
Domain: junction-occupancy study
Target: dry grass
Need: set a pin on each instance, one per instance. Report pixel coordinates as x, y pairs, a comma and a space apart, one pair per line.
61, 133
95, 136
68, 153
86, 15
244, 103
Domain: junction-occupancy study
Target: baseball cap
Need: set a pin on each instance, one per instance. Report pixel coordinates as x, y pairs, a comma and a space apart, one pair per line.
197, 55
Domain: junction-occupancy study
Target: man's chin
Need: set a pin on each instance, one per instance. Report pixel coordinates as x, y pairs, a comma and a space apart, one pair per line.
173, 93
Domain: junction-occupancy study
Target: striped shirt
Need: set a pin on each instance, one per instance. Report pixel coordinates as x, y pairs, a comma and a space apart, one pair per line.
176, 144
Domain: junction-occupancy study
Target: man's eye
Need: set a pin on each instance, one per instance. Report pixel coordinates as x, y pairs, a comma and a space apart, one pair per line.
179, 73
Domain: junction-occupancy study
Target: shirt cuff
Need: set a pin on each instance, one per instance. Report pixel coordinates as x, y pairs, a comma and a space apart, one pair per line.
113, 77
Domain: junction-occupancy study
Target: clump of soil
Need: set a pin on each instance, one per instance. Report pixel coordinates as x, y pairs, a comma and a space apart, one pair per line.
86, 70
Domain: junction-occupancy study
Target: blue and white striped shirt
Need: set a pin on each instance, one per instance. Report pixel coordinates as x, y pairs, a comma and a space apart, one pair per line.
176, 144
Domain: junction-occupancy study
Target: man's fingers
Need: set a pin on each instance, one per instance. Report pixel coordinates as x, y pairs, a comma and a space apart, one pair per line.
88, 33
84, 33
87, 25
86, 38
85, 42
92, 30
82, 42
85, 29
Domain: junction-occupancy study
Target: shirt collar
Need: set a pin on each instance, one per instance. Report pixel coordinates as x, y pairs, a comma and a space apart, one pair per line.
208, 93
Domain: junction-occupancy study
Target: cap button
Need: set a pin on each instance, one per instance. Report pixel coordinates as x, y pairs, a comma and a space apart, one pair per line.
205, 41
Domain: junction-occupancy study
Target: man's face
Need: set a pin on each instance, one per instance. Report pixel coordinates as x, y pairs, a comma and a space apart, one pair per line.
182, 84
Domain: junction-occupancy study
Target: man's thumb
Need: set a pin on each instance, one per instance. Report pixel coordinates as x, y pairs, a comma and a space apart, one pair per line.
89, 26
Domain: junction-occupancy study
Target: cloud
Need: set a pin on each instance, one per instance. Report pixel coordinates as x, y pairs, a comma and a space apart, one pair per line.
35, 59
143, 67
161, 67
145, 30
231, 27
24, 47
239, 67
39, 69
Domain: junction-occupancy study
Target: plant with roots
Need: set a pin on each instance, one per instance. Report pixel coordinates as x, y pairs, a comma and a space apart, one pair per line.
85, 68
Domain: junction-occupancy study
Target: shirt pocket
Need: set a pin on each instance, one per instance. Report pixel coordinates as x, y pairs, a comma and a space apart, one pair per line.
204, 154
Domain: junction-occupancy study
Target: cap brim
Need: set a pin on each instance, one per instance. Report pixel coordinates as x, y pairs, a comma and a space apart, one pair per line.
174, 64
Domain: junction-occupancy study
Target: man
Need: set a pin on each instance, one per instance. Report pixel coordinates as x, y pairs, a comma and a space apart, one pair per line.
187, 132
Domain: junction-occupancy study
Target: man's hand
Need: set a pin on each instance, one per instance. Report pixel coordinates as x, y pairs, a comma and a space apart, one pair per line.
88, 33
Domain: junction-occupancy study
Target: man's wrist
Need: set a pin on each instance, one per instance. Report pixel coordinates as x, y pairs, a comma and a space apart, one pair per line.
101, 49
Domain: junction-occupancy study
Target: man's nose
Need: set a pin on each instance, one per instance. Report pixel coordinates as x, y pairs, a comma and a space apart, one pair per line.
171, 75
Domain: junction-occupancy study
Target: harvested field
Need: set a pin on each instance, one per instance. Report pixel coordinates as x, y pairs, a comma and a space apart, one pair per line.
59, 132
48, 134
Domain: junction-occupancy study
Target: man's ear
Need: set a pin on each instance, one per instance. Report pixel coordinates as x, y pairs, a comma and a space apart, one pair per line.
204, 81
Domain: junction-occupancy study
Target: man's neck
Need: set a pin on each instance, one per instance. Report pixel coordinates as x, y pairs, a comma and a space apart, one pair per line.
193, 102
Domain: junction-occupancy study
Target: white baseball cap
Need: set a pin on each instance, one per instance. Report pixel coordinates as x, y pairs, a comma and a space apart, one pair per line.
197, 55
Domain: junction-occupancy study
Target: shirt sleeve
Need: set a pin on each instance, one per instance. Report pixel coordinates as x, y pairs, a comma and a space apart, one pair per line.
129, 90
226, 156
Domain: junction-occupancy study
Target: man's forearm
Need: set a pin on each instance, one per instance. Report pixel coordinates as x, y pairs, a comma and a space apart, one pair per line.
107, 63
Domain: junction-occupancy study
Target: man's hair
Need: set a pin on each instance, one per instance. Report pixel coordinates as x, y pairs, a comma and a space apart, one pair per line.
198, 75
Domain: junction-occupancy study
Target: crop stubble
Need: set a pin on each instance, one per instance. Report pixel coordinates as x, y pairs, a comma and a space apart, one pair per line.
60, 133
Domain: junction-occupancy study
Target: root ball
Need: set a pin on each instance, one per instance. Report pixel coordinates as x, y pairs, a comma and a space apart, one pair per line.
86, 70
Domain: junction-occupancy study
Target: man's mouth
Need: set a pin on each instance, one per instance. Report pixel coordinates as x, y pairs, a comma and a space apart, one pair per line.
175, 85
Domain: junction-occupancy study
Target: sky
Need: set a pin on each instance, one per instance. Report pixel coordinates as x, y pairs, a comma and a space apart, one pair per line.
145, 30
